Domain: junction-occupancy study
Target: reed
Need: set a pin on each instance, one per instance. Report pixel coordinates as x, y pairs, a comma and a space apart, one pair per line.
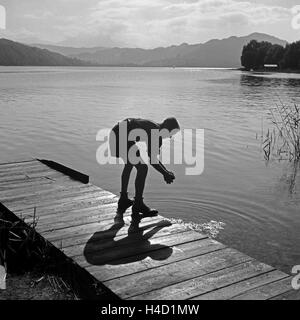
23, 250
20, 246
283, 140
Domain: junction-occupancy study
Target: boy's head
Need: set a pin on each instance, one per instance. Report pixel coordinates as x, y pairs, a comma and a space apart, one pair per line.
171, 124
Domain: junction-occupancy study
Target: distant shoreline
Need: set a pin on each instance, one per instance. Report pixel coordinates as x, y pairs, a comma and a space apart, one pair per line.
287, 71
270, 71
122, 66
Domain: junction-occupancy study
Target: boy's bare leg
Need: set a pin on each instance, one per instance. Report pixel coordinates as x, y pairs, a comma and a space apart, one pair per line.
125, 178
142, 171
124, 202
139, 205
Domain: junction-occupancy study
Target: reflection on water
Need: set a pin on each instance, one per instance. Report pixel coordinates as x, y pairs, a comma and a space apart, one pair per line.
55, 113
290, 180
262, 79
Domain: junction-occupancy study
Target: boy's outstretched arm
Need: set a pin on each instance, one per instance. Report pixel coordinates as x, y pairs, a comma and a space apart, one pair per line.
158, 166
168, 175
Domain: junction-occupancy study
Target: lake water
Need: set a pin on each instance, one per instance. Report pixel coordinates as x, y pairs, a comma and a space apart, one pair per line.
55, 113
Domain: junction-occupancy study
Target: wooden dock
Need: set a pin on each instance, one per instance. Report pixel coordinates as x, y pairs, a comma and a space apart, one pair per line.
156, 260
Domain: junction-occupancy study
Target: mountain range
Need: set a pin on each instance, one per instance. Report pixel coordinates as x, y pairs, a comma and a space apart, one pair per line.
17, 54
68, 51
214, 53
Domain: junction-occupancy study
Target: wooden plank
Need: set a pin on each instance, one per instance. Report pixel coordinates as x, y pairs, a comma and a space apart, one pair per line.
30, 183
81, 204
289, 295
59, 195
73, 204
57, 204
10, 178
36, 168
36, 189
172, 274
6, 176
68, 214
45, 193
120, 267
267, 291
96, 217
17, 161
74, 217
21, 183
21, 167
205, 282
52, 199
49, 174
25, 177
235, 289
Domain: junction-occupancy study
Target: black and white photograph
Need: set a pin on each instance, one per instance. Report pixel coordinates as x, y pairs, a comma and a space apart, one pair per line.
149, 151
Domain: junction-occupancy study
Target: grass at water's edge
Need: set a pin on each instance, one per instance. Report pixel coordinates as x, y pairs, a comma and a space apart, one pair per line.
35, 266
27, 266
36, 285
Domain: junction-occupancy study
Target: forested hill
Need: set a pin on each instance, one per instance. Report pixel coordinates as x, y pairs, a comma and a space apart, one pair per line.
257, 54
17, 54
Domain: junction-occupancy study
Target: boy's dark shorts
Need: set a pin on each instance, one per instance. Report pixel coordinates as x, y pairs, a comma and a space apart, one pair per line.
114, 143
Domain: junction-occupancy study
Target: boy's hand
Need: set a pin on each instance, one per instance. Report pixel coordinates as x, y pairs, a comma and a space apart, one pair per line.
169, 177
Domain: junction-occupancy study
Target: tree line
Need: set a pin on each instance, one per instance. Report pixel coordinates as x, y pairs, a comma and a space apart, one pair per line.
256, 54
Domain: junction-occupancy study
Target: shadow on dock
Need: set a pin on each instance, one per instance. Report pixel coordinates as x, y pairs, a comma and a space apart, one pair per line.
105, 247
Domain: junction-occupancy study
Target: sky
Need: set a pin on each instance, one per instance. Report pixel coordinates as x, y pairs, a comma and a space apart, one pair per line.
145, 23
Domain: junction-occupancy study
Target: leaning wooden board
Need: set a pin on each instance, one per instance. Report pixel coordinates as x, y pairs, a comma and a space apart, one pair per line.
158, 260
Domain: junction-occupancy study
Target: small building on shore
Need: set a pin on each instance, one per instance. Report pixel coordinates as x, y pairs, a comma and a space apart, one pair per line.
271, 67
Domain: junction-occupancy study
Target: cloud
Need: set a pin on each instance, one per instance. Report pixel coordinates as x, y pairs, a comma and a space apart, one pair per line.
2, 17
150, 23
146, 23
235, 18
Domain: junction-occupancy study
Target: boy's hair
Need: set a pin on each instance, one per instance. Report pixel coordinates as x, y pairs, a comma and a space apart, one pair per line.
171, 124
